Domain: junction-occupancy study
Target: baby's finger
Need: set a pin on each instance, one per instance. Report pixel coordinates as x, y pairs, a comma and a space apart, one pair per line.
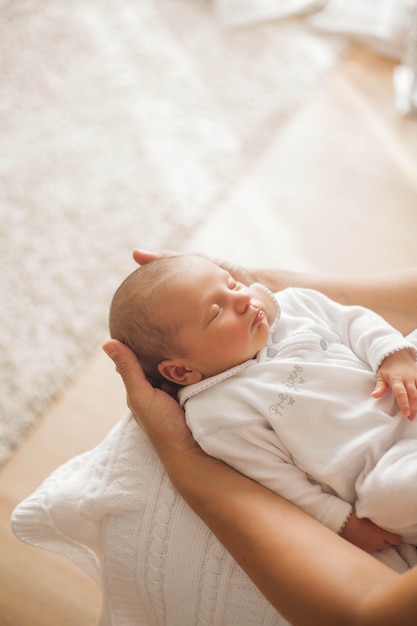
392, 539
412, 398
380, 388
400, 392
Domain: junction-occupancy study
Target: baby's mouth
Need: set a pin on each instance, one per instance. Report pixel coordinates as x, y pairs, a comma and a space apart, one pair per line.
272, 309
259, 317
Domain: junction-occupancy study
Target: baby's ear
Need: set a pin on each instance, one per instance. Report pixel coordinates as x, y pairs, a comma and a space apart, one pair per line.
176, 371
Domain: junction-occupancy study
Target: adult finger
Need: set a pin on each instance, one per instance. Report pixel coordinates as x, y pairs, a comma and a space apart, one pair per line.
142, 257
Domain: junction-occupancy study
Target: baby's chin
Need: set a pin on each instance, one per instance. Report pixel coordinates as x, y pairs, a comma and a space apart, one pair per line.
269, 303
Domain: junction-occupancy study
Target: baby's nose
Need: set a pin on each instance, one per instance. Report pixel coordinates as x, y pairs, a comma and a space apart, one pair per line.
242, 301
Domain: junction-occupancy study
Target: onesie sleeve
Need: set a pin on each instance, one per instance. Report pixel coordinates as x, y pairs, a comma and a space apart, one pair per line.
255, 451
369, 336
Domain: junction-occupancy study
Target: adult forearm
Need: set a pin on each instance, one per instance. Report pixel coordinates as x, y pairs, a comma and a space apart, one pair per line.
309, 574
391, 602
391, 294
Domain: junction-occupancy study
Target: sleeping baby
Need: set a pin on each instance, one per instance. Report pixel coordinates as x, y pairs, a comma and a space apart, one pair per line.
313, 399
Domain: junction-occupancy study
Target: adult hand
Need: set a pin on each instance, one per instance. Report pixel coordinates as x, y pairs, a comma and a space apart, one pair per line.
241, 274
160, 416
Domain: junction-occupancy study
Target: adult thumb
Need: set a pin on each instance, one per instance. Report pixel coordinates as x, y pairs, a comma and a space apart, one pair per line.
127, 365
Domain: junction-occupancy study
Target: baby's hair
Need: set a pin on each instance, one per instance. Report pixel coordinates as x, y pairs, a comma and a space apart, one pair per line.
139, 312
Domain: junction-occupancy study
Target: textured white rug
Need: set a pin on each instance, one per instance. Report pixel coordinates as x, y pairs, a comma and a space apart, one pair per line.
122, 122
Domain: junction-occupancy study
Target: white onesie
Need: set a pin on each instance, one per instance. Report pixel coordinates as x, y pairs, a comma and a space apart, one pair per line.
299, 418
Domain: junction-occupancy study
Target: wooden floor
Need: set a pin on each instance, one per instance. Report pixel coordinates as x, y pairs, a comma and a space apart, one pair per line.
336, 189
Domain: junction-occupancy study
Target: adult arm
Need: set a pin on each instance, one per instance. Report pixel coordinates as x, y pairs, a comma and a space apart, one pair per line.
308, 573
392, 294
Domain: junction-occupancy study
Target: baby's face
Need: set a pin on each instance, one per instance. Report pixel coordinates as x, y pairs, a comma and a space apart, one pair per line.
222, 322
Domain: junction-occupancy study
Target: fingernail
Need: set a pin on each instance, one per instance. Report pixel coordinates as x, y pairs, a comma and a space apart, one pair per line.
109, 350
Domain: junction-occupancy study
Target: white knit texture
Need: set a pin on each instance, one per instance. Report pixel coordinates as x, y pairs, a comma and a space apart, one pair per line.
115, 513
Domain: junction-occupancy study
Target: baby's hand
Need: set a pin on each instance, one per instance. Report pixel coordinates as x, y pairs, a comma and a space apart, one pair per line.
399, 371
367, 535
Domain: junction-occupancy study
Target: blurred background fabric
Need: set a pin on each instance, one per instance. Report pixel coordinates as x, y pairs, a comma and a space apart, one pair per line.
123, 123
388, 27
380, 24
